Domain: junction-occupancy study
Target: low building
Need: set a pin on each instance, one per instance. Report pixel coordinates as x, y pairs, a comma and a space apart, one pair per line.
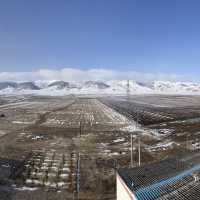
123, 191
167, 179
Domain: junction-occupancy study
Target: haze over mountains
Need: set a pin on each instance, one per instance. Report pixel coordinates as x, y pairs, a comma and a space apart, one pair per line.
99, 87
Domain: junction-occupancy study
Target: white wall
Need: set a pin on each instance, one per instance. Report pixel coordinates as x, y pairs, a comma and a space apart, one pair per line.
123, 192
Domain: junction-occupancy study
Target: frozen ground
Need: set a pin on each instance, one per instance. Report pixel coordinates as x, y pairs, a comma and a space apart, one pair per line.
88, 112
94, 132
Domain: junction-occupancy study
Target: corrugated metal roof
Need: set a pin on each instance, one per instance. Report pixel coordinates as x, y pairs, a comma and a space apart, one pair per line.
162, 180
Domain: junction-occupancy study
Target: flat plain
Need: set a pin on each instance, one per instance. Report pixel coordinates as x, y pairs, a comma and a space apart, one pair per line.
70, 147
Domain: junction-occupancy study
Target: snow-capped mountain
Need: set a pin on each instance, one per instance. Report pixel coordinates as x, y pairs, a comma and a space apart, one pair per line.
19, 86
97, 84
61, 85
4, 85
27, 86
99, 87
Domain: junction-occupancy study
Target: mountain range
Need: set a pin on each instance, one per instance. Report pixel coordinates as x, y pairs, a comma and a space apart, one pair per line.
99, 87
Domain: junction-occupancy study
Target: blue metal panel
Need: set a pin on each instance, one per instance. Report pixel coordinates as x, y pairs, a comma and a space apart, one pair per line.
156, 190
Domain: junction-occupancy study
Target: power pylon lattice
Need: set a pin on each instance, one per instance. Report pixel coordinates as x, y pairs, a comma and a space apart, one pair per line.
128, 90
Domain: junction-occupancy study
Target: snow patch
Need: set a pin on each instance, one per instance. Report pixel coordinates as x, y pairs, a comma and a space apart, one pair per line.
24, 188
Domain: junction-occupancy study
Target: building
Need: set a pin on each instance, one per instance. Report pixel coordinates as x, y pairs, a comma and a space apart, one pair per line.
123, 191
168, 179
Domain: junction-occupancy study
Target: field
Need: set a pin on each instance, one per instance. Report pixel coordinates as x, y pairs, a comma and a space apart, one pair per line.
69, 147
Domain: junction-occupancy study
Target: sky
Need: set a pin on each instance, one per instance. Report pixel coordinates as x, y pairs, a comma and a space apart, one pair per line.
115, 36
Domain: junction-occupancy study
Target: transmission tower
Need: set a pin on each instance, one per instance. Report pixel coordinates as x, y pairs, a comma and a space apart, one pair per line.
128, 90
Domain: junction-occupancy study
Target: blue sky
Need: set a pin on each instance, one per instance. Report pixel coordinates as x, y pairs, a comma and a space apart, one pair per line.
157, 36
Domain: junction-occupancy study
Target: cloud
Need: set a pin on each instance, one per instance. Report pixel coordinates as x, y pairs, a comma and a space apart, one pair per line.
71, 74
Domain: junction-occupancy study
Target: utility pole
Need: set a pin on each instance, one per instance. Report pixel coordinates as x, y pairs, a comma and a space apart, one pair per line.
188, 143
78, 176
139, 142
135, 126
23, 121
139, 151
79, 158
80, 129
131, 149
137, 119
